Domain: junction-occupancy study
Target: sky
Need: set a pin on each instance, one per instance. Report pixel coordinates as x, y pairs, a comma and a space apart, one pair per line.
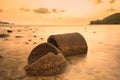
56, 12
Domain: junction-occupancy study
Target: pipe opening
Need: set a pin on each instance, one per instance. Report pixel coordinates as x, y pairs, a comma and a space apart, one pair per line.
53, 41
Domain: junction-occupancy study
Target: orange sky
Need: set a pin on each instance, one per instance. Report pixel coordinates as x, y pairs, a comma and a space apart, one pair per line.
70, 12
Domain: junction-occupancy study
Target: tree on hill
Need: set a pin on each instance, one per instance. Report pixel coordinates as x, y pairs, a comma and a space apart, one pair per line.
112, 19
1, 22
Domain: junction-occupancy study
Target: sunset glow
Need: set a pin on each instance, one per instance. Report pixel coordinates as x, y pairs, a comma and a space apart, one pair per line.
73, 12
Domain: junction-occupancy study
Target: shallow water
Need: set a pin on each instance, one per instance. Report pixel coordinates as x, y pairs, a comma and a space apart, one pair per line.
101, 63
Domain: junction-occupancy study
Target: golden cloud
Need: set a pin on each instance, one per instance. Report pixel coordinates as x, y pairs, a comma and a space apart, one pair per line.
54, 10
101, 1
112, 1
41, 10
97, 1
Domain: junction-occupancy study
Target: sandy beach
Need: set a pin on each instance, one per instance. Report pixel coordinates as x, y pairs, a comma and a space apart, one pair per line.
101, 63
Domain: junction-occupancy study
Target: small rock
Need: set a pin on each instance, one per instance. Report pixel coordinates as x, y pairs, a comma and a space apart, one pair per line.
19, 30
94, 32
18, 36
9, 31
34, 36
4, 35
10, 26
6, 39
41, 38
29, 40
33, 32
30, 29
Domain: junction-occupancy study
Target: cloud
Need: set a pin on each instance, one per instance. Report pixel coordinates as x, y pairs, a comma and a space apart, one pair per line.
112, 1
54, 10
111, 9
41, 10
24, 9
46, 10
57, 11
1, 10
101, 1
97, 1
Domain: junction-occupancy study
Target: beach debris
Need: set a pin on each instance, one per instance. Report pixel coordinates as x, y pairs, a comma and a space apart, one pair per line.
69, 44
9, 31
29, 40
10, 26
41, 38
33, 31
6, 39
45, 59
94, 32
19, 30
34, 36
3, 35
30, 29
18, 36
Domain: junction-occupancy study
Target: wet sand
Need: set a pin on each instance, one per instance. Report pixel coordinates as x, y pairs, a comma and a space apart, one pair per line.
101, 63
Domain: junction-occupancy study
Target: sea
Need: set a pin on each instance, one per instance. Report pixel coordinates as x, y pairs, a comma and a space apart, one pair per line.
101, 63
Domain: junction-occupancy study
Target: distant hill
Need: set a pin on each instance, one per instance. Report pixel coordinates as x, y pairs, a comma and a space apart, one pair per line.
112, 19
1, 22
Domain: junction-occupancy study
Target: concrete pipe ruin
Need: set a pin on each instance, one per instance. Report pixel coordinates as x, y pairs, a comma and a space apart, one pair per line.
69, 44
45, 59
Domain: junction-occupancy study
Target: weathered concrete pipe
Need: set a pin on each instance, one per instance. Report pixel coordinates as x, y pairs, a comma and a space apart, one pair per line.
69, 44
45, 59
